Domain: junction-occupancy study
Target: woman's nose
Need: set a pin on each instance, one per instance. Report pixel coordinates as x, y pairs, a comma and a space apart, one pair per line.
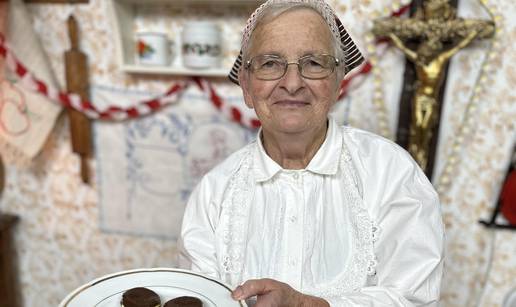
292, 81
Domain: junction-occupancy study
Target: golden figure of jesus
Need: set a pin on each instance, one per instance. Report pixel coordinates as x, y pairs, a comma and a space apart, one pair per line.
435, 25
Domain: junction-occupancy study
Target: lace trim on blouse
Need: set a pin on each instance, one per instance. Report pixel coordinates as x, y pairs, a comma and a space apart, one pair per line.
364, 231
235, 208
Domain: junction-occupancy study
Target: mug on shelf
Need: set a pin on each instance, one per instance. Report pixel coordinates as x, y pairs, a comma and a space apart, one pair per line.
153, 48
201, 44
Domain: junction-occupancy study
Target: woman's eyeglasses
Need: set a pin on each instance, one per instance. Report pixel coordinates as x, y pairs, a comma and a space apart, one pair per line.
273, 67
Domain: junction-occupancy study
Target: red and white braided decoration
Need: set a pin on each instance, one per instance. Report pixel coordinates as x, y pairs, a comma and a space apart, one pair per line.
231, 112
72, 100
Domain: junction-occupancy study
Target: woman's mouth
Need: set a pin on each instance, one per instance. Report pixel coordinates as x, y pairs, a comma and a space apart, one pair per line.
291, 103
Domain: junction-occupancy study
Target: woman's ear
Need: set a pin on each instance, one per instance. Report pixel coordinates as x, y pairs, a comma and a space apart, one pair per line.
338, 86
243, 79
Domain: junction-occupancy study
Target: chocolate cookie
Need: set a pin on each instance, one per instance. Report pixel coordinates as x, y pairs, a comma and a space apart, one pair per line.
184, 301
140, 297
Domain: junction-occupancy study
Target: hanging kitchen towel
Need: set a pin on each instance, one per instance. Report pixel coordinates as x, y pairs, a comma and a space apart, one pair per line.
26, 118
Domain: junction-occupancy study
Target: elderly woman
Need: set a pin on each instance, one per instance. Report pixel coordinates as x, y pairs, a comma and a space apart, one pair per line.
312, 214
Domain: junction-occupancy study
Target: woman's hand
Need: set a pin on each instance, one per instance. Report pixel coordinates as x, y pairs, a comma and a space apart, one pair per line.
272, 293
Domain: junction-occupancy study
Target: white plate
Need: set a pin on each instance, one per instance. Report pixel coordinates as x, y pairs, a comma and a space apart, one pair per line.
167, 283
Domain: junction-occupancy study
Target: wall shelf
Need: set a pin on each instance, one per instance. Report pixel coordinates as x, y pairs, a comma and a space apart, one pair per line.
123, 14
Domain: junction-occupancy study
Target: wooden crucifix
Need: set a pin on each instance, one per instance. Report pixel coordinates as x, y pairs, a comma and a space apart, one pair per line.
428, 39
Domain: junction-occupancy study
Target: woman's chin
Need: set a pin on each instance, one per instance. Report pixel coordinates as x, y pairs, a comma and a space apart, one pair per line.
291, 125
289, 122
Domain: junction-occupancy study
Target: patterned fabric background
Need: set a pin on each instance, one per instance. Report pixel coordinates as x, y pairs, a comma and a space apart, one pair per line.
60, 241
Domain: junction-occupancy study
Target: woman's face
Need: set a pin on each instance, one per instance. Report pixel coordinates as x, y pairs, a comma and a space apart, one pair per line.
291, 104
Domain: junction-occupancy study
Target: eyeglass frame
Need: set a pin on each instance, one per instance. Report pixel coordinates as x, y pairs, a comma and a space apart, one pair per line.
337, 62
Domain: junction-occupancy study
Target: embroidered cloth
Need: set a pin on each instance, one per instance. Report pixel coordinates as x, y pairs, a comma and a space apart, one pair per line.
147, 167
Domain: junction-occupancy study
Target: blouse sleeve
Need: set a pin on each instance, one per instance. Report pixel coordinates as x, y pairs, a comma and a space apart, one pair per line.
196, 245
410, 245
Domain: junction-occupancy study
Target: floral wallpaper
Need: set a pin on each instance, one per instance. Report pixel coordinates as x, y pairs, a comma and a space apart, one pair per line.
58, 241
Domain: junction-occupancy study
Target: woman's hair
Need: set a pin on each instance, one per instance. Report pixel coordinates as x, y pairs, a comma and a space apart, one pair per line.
272, 11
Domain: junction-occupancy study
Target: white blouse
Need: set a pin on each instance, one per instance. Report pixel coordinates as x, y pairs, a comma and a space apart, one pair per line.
359, 226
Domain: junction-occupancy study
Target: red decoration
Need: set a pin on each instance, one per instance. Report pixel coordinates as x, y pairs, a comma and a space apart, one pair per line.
508, 198
144, 50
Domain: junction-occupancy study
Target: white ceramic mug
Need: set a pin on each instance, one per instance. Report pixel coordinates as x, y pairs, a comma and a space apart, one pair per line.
153, 48
201, 44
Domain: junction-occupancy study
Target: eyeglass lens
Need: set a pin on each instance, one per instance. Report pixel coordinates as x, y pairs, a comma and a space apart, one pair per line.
268, 67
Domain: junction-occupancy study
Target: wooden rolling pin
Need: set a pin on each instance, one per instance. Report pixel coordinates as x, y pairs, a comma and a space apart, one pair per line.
77, 82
